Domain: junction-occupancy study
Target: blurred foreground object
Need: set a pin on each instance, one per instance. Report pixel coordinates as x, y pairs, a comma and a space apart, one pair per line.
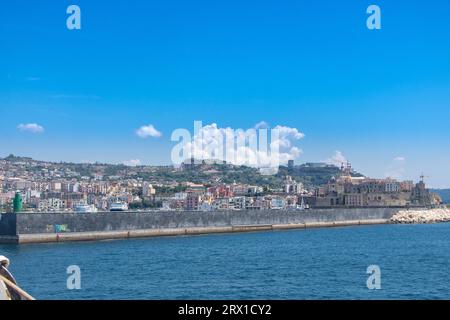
9, 290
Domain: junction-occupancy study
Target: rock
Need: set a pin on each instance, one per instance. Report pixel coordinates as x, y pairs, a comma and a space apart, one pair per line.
422, 216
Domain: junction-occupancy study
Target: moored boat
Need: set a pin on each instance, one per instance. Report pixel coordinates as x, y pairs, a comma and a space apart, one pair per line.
118, 206
85, 208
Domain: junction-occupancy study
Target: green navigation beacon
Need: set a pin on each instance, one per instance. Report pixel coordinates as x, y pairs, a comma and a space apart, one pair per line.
17, 203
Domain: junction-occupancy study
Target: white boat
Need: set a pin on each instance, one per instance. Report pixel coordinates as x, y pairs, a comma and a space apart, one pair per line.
85, 208
9, 290
118, 206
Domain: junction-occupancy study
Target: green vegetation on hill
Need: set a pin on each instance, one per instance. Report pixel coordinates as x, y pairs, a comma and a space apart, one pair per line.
311, 175
212, 174
13, 158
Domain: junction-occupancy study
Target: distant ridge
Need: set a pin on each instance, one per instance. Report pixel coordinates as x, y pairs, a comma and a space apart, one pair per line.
206, 172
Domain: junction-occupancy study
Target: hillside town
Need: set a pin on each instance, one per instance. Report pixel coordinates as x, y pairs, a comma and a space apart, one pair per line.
36, 186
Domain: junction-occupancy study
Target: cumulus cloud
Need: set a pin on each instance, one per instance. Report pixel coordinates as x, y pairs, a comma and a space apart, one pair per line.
251, 147
286, 136
30, 127
396, 169
295, 152
261, 125
132, 162
148, 131
336, 159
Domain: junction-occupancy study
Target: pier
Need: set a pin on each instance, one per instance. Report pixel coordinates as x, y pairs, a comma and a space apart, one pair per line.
60, 227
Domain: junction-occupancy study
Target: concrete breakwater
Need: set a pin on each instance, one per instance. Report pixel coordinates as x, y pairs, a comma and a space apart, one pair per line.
55, 227
422, 216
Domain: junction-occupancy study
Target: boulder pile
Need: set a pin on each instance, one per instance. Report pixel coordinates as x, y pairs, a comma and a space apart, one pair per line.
422, 216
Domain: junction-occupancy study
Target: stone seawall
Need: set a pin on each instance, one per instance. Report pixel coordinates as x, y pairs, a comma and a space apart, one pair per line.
53, 227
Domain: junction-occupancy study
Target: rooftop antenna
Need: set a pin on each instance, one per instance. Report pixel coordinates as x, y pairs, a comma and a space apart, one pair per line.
422, 177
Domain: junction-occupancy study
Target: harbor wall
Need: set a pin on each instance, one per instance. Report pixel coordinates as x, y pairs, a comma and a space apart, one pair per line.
8, 222
46, 227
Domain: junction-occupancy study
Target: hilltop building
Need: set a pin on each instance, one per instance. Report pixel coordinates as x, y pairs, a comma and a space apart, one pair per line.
347, 190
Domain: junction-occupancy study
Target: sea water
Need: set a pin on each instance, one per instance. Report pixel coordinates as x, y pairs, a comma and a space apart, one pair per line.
328, 263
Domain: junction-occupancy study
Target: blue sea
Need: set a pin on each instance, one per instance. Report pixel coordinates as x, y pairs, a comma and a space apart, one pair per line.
329, 263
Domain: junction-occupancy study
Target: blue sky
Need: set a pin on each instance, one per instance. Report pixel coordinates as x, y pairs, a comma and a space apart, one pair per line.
375, 96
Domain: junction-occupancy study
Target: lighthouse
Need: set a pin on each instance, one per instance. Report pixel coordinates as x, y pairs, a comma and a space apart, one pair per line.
17, 203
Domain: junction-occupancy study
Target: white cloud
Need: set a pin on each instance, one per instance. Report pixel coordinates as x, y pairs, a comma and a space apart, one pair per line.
240, 146
287, 135
396, 169
33, 78
30, 127
132, 162
148, 131
295, 152
261, 125
337, 159
290, 132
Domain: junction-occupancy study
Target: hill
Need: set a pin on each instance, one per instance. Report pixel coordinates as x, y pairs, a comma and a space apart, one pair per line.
313, 174
310, 174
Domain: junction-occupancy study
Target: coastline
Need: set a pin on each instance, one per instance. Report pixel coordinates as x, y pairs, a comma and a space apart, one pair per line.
47, 227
